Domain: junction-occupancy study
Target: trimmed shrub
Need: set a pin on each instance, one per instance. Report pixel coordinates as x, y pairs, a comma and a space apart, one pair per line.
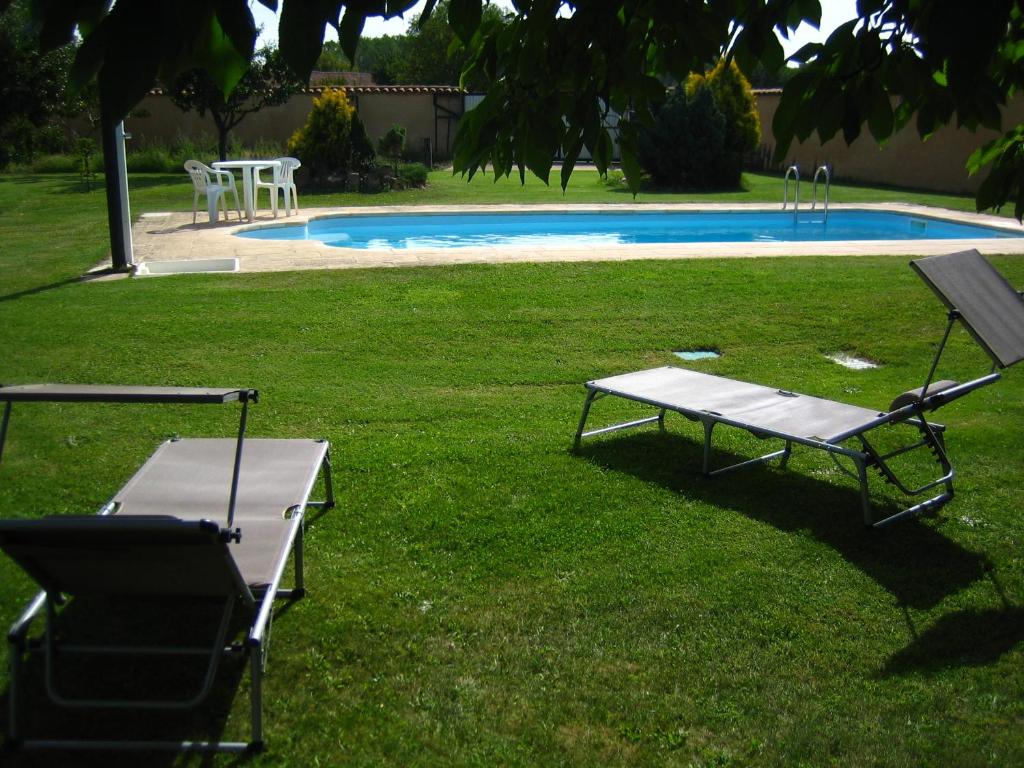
684, 142
362, 149
391, 144
701, 133
735, 100
413, 174
324, 143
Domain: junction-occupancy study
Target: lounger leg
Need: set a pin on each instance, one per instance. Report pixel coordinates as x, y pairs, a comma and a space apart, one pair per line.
709, 426
3, 426
785, 455
300, 586
17, 646
591, 394
328, 481
865, 497
256, 696
16, 649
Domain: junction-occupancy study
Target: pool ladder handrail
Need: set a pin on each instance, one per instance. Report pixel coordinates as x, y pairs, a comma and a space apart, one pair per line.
827, 171
793, 170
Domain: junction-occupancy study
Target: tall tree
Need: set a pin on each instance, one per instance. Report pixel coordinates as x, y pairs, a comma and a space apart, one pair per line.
380, 57
332, 59
432, 54
34, 88
269, 82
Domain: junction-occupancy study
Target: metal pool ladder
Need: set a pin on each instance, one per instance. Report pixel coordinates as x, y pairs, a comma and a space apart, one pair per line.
793, 170
827, 172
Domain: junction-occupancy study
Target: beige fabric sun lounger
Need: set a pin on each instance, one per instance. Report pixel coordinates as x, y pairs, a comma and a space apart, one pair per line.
201, 520
975, 294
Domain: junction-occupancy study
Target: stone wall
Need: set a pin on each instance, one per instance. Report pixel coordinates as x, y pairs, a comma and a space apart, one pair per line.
431, 113
936, 165
426, 113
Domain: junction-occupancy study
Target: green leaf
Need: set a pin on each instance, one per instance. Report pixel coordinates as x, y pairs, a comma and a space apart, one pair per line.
221, 59
985, 154
602, 151
301, 32
880, 117
427, 10
464, 17
236, 20
58, 23
350, 30
569, 159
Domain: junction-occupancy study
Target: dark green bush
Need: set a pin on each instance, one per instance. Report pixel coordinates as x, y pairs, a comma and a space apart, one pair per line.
54, 164
391, 144
702, 132
362, 148
735, 99
324, 143
413, 174
683, 145
152, 159
22, 142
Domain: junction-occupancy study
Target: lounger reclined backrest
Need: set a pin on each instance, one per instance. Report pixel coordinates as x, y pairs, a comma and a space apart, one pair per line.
117, 556
989, 307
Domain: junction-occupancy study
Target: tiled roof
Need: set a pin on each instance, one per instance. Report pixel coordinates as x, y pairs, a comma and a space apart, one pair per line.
444, 90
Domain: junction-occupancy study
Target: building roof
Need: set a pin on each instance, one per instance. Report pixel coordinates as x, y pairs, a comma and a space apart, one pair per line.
443, 90
359, 89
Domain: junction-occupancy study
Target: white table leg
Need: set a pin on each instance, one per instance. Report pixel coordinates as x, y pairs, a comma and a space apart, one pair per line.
247, 174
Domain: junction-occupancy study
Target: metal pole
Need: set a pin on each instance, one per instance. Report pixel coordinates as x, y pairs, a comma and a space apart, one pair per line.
953, 316
122, 174
238, 462
120, 253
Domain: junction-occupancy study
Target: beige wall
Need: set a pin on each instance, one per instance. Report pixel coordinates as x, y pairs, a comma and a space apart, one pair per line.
161, 121
937, 164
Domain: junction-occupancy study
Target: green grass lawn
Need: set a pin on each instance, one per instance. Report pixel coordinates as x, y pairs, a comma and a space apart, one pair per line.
484, 596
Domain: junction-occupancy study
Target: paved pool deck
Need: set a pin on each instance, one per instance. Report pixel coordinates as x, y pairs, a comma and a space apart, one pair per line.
160, 238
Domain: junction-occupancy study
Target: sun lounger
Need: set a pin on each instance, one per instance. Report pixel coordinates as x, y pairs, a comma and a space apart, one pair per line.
201, 520
974, 293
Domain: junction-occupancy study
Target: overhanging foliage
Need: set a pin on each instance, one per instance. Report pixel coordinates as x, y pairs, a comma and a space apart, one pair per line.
555, 69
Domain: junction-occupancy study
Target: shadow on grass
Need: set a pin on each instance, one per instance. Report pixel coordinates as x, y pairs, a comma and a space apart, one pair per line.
40, 289
65, 183
913, 561
970, 638
97, 621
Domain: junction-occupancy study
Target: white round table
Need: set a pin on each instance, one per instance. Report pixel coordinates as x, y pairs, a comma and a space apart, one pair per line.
248, 169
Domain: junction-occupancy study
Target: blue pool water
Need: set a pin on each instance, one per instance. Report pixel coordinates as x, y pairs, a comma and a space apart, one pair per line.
619, 228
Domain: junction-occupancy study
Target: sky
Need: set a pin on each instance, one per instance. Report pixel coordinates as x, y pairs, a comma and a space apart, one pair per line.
833, 13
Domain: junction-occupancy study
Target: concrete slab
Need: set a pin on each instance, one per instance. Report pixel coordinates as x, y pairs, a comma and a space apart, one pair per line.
172, 236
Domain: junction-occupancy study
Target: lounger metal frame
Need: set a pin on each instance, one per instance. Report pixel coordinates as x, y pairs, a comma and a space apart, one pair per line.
256, 644
864, 459
909, 409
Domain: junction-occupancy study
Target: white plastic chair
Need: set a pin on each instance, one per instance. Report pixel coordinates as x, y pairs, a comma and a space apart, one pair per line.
284, 182
214, 190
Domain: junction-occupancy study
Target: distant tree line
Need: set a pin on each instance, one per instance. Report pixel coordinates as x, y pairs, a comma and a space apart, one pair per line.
427, 54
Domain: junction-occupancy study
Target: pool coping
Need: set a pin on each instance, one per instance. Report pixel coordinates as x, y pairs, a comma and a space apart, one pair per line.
168, 237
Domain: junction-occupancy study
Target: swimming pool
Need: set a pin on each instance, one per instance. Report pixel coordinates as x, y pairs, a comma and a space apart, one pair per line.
552, 229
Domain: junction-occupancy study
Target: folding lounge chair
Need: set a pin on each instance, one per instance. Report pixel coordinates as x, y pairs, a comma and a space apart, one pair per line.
158, 538
975, 294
